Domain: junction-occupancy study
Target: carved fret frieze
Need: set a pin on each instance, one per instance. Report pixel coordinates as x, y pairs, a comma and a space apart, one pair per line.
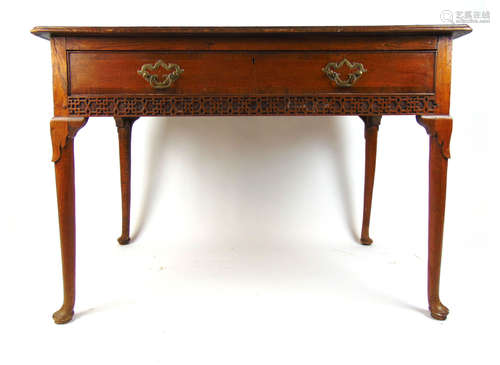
249, 105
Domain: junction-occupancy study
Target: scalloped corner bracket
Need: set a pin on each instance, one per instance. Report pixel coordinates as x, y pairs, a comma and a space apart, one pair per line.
440, 127
331, 71
62, 129
168, 79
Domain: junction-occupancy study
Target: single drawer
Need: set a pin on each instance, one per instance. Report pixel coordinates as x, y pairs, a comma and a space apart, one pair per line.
251, 73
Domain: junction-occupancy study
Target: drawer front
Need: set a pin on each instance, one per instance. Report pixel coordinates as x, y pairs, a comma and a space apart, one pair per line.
252, 73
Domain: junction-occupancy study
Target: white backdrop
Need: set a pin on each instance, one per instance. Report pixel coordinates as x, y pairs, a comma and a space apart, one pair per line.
246, 229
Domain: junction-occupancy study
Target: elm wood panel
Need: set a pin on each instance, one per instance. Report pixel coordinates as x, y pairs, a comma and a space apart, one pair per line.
443, 75
59, 76
387, 72
240, 73
455, 30
204, 73
300, 42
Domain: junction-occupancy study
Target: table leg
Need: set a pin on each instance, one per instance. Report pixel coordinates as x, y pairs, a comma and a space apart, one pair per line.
371, 130
124, 127
62, 131
439, 130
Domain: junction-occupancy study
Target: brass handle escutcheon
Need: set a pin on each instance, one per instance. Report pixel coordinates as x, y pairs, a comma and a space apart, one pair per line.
331, 71
153, 79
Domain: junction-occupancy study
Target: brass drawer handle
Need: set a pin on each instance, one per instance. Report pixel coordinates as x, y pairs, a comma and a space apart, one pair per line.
168, 79
331, 71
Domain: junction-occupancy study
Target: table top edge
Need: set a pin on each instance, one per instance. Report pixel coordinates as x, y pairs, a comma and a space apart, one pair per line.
455, 30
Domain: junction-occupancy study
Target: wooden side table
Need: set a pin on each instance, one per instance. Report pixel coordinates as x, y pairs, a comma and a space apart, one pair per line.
129, 72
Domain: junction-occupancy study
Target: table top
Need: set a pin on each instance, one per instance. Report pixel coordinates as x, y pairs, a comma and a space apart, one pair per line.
455, 30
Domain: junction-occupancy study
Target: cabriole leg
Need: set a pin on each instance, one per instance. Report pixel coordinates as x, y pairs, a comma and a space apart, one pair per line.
124, 127
371, 130
439, 130
63, 130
